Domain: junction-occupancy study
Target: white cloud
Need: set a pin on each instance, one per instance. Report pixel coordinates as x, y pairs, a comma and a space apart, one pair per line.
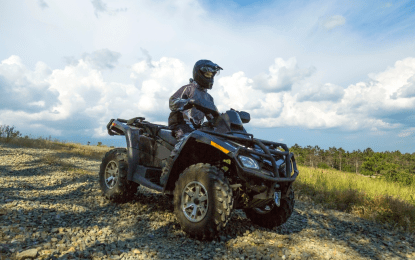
236, 92
40, 103
100, 100
383, 93
407, 90
42, 4
304, 114
101, 7
407, 132
282, 75
46, 129
21, 87
333, 21
102, 59
364, 105
148, 57
158, 83
78, 95
79, 87
326, 92
244, 41
74, 96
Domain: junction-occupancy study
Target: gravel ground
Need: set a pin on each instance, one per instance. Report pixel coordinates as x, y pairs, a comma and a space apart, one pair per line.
48, 211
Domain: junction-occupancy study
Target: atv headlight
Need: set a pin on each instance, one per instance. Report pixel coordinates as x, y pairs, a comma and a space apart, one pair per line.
248, 162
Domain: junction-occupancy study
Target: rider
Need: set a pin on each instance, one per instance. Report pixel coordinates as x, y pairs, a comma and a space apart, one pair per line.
184, 118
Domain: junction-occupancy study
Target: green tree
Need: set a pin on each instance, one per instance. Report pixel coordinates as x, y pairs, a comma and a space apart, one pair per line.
373, 164
341, 153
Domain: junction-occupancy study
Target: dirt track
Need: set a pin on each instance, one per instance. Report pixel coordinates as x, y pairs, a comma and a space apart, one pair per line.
50, 210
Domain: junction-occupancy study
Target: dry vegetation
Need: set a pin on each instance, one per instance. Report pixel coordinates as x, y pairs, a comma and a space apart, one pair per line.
95, 152
369, 198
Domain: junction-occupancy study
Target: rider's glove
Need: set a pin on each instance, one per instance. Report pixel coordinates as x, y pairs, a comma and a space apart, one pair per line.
190, 103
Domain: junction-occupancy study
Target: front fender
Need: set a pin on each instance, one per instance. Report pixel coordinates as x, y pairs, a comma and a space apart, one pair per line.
196, 148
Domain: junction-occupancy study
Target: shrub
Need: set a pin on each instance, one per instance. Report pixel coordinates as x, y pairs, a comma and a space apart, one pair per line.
8, 133
393, 174
323, 165
348, 168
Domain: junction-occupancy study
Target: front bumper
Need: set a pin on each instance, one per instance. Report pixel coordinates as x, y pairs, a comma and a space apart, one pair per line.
257, 175
270, 153
290, 163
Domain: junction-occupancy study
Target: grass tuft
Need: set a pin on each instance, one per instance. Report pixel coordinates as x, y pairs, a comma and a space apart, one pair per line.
50, 159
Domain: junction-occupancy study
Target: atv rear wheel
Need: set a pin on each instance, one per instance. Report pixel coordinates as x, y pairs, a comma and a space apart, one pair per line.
202, 201
272, 216
113, 176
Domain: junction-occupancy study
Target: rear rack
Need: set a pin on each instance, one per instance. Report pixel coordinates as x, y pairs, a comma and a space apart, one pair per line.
138, 122
289, 157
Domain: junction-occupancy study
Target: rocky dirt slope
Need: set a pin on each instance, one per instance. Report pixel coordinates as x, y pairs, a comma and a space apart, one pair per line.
51, 207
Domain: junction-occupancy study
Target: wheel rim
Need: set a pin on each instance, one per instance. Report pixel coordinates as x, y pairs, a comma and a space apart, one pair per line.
111, 174
195, 201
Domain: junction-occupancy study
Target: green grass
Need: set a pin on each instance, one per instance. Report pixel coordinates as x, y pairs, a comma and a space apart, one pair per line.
369, 198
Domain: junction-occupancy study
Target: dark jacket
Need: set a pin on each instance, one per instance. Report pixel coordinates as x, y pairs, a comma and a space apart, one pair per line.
179, 99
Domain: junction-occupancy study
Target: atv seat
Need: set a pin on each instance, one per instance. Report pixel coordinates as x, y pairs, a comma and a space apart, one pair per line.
167, 136
152, 129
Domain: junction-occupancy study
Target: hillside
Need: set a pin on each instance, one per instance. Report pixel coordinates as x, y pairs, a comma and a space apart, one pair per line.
50, 205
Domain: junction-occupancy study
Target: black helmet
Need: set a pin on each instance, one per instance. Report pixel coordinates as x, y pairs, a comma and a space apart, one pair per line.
203, 73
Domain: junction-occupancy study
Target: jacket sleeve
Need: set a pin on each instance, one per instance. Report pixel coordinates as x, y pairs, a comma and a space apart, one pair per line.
210, 116
179, 99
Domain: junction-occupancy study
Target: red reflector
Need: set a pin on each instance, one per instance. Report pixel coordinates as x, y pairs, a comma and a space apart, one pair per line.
113, 124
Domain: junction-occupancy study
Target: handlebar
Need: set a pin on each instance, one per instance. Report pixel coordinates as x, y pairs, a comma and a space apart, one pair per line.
205, 106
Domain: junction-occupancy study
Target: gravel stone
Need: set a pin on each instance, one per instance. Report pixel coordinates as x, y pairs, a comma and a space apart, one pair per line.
60, 214
31, 253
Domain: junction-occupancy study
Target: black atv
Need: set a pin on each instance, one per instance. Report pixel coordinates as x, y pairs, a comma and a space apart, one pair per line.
219, 167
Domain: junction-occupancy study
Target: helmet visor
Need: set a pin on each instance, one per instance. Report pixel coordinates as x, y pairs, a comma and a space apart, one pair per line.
210, 72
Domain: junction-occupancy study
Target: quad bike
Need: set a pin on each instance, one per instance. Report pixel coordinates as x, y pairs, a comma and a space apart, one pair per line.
219, 167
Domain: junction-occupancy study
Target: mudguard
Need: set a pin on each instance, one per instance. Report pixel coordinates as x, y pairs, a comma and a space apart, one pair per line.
203, 138
132, 138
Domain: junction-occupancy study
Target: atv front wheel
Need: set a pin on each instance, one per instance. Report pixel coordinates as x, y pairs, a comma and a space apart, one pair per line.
271, 216
202, 201
113, 176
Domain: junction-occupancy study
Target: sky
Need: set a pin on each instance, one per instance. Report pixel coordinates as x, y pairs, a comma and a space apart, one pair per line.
326, 73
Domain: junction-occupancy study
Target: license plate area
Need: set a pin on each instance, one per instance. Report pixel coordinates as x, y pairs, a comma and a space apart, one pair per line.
277, 198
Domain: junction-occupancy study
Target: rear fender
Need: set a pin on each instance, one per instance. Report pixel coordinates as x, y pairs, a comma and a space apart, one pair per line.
132, 137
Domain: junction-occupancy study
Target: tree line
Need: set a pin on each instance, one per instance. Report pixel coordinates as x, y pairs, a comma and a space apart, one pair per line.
393, 166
